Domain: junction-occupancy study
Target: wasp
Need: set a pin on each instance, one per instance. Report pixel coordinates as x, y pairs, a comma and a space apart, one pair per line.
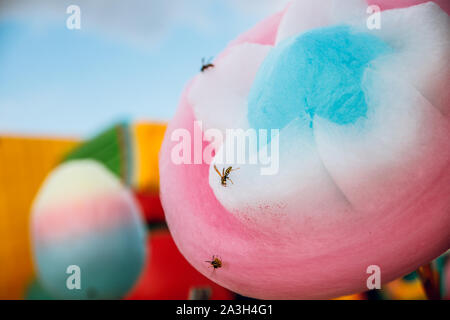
206, 65
225, 175
216, 263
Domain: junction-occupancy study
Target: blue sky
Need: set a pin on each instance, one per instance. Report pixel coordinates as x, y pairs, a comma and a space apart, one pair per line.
56, 81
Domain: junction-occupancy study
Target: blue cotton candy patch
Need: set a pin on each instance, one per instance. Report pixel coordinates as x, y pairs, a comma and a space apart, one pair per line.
316, 73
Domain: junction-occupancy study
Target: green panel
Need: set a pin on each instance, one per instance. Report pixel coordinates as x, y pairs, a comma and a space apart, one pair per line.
109, 148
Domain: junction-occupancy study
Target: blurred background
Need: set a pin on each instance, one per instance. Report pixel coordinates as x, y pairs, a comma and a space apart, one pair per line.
129, 59
105, 92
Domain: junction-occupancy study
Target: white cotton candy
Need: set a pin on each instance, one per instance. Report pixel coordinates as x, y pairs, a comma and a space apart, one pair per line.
218, 96
420, 36
300, 192
392, 156
76, 180
304, 15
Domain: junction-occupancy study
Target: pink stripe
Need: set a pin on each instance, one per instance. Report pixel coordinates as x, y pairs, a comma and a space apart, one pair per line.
393, 4
96, 214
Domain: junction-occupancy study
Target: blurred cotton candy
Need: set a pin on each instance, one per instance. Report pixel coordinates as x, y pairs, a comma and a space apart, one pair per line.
86, 223
364, 158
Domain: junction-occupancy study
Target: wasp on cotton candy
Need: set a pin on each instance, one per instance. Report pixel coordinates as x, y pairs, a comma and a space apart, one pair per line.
225, 175
216, 263
206, 65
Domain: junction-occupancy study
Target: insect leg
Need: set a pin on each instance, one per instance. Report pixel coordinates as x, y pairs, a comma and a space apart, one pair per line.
217, 170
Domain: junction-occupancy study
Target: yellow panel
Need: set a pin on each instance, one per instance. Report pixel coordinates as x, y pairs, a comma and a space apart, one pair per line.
401, 289
147, 139
24, 163
358, 296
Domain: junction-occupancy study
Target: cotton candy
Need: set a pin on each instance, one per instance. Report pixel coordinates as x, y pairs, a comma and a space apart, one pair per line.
86, 224
361, 128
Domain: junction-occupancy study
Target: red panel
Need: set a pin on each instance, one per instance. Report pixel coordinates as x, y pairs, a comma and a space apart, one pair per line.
168, 276
150, 206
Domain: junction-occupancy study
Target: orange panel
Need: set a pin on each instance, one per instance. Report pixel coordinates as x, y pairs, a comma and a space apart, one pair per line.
24, 163
402, 289
147, 139
359, 296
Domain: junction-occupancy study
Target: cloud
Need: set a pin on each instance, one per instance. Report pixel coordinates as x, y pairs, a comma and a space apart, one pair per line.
143, 21
259, 7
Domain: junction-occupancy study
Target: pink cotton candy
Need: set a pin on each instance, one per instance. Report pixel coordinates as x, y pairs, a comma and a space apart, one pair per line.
90, 216
318, 260
393, 4
259, 265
